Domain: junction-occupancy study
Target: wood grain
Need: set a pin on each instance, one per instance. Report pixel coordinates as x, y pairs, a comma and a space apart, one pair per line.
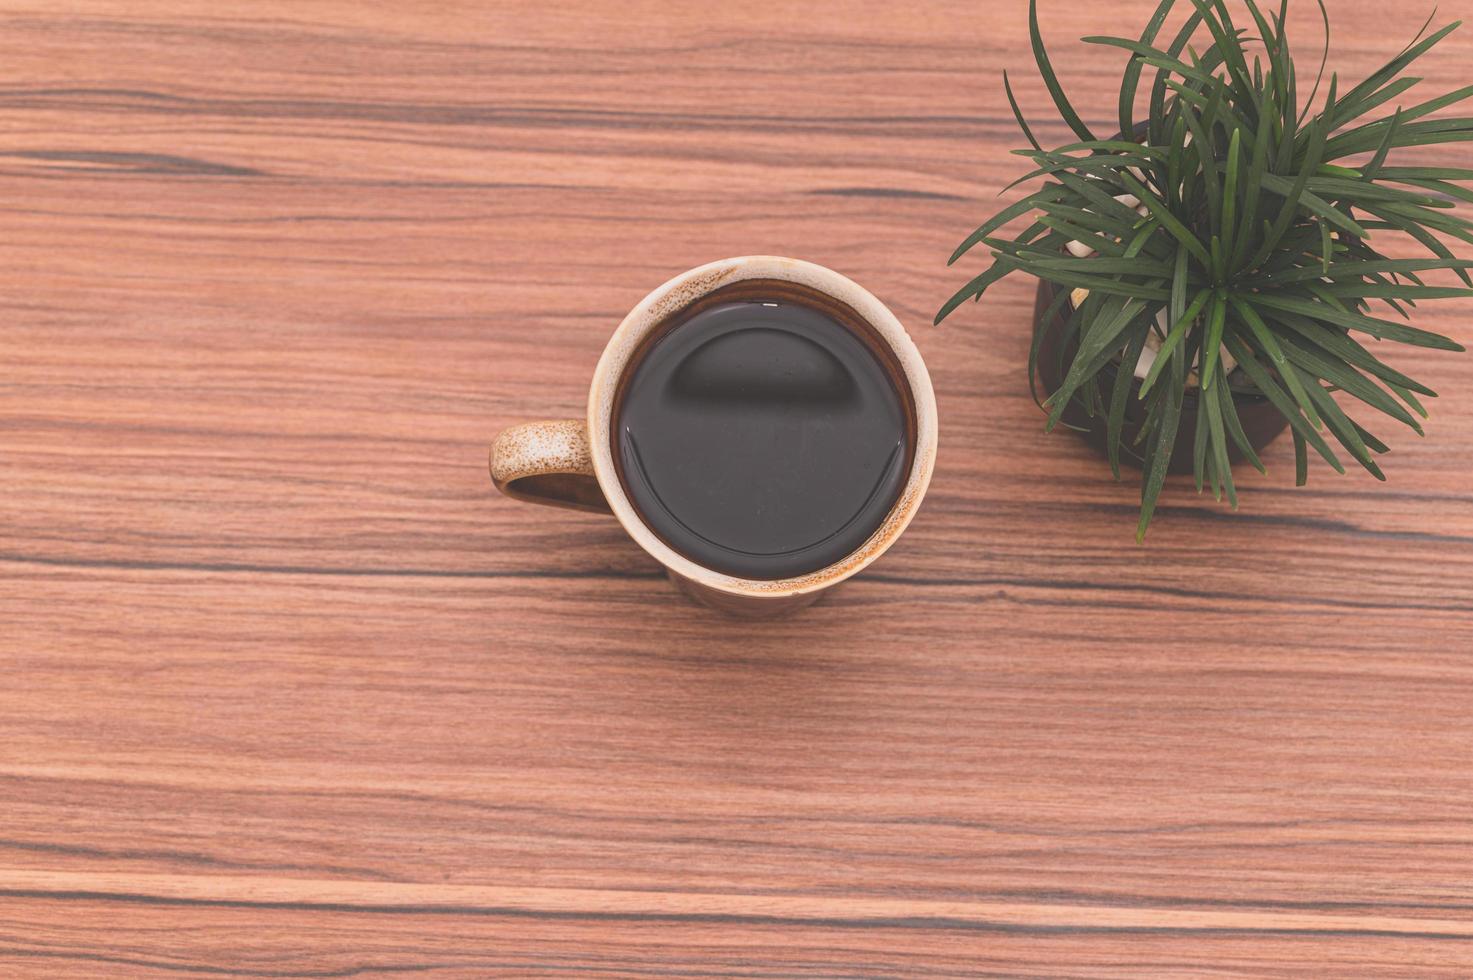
289, 691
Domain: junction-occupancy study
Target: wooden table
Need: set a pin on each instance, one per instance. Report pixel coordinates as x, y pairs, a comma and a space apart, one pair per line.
290, 691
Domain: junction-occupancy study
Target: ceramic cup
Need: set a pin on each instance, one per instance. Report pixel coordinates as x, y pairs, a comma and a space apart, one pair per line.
571, 463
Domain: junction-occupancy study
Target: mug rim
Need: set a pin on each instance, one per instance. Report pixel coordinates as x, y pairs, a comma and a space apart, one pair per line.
678, 293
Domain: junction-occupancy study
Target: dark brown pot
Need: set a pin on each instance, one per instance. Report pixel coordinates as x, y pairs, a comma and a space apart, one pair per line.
1262, 423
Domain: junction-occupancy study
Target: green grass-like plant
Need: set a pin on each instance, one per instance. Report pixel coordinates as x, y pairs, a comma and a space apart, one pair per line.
1257, 240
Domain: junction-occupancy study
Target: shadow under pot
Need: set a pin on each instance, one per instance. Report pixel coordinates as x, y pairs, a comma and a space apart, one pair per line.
1262, 422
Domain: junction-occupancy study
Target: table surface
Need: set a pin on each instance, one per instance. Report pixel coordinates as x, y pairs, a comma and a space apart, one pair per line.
289, 690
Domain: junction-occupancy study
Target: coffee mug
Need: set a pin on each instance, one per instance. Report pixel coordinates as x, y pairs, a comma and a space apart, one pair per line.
771, 399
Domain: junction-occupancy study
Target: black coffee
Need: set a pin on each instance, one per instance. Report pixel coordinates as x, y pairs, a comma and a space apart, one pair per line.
762, 437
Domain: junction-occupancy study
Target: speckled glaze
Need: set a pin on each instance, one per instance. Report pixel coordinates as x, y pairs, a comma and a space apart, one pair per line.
525, 454
547, 463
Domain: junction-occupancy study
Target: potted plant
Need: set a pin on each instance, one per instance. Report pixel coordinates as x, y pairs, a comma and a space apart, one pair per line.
1206, 275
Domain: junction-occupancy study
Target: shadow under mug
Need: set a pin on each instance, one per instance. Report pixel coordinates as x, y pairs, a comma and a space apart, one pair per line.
572, 463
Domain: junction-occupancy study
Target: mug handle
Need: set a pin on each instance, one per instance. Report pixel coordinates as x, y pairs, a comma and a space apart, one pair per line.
547, 463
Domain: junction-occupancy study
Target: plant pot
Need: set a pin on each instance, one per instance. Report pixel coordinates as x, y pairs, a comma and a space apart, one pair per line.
1262, 423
